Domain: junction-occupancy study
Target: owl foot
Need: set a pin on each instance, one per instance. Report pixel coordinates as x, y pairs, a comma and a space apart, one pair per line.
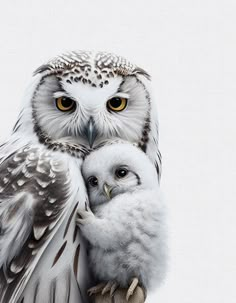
111, 287
104, 288
119, 296
96, 289
132, 288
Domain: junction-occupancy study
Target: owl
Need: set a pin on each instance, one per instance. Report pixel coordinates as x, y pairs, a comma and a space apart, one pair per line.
126, 225
75, 102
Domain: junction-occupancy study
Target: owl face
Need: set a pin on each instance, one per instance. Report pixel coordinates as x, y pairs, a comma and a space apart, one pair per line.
88, 115
89, 104
116, 169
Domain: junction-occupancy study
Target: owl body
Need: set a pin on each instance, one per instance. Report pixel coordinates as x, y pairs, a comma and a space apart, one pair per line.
75, 102
128, 231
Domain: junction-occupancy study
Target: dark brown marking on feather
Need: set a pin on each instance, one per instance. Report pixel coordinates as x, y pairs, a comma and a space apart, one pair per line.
80, 292
17, 125
75, 233
53, 292
157, 168
69, 220
59, 253
79, 216
76, 261
36, 292
68, 287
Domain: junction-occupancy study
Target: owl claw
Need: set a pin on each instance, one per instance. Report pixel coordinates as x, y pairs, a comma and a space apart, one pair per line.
104, 288
132, 288
96, 289
111, 287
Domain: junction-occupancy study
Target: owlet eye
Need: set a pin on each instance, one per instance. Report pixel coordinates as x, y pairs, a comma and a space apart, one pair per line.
93, 181
121, 173
117, 104
65, 104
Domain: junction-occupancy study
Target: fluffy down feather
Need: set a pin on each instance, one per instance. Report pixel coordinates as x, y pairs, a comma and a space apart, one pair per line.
128, 232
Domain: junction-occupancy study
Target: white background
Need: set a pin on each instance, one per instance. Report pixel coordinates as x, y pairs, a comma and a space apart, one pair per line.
189, 47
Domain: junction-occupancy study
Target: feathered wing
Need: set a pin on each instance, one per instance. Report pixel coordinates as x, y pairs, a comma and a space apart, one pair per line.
150, 140
38, 201
153, 149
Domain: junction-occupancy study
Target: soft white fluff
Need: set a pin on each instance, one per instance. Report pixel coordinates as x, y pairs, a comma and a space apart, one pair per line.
128, 232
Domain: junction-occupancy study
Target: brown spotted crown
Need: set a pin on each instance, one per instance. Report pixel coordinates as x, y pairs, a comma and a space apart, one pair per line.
85, 66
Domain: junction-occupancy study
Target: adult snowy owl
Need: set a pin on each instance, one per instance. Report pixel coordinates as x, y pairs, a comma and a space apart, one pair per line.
126, 227
76, 101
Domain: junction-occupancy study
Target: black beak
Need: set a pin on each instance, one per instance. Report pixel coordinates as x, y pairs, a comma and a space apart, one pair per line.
90, 132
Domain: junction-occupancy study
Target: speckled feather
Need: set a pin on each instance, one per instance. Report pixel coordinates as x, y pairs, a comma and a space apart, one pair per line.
37, 202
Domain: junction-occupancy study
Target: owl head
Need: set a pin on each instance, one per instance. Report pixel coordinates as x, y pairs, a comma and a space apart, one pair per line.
116, 169
79, 100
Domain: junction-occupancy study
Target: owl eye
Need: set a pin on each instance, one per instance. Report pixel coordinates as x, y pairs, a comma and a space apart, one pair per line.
65, 104
93, 181
117, 104
121, 173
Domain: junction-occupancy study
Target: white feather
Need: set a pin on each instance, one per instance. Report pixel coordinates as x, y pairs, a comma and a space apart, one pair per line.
128, 233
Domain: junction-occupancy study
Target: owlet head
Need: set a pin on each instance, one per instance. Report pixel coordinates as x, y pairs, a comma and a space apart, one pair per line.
116, 169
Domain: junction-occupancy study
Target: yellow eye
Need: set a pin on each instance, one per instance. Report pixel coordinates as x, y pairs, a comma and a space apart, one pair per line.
65, 104
117, 104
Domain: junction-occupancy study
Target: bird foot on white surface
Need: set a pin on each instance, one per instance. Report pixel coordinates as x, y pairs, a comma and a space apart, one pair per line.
132, 288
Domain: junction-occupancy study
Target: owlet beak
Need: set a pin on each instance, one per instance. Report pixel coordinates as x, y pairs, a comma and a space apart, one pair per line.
107, 190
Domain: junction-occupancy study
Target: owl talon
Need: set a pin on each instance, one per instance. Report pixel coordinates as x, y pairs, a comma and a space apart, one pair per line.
110, 286
113, 289
96, 289
107, 287
132, 288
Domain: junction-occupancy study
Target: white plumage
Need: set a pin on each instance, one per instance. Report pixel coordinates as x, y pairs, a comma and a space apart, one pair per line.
76, 101
127, 225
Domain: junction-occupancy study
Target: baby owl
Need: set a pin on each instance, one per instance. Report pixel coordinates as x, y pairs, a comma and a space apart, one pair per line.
126, 224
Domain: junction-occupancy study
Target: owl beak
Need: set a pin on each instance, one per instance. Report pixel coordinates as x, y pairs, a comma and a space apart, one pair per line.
107, 190
91, 132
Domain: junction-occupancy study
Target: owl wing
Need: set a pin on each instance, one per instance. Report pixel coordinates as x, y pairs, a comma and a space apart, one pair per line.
153, 151
34, 185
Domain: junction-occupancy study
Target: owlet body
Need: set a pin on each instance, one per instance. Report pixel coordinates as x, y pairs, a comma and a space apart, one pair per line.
126, 228
76, 101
